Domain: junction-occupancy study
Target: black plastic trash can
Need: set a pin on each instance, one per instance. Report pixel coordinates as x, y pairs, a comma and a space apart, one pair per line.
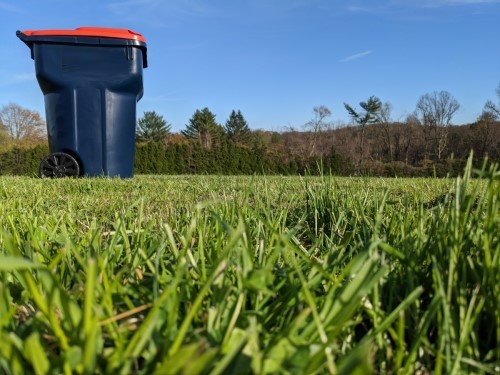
91, 79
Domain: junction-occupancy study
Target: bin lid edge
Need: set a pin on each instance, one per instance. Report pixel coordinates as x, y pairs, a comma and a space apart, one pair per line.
102, 32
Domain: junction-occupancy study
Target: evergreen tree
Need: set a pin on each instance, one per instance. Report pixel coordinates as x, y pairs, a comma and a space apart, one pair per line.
237, 128
371, 108
152, 127
202, 126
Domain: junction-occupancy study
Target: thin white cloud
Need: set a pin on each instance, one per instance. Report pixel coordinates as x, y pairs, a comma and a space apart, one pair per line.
392, 5
441, 3
12, 79
185, 47
124, 8
7, 7
356, 56
161, 98
284, 5
21, 77
158, 8
470, 1
363, 9
465, 2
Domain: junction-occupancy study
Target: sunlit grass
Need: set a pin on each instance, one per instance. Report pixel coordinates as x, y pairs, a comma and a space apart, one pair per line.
216, 274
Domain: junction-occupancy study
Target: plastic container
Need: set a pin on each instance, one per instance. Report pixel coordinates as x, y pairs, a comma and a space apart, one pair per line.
91, 79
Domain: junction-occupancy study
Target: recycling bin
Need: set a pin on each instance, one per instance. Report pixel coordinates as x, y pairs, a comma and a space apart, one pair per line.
91, 79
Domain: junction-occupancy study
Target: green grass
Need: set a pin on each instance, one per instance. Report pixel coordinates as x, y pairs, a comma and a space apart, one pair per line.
229, 275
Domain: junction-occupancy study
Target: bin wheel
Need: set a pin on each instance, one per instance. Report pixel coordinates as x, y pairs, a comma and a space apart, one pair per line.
58, 165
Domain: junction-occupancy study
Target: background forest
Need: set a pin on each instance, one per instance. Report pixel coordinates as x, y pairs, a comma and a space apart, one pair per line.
426, 143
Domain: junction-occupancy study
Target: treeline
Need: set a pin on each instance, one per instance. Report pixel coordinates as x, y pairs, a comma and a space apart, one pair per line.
229, 158
264, 157
392, 149
426, 143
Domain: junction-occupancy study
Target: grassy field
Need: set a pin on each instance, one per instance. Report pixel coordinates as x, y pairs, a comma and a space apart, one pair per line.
231, 275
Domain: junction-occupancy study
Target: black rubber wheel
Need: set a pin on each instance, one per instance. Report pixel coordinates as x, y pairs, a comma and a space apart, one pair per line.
59, 165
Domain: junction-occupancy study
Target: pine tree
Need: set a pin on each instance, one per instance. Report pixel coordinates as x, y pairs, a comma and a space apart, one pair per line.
152, 127
202, 126
237, 128
371, 109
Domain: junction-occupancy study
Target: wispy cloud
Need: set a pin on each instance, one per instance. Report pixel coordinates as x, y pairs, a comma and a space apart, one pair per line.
356, 56
126, 7
285, 6
7, 7
161, 98
387, 6
441, 3
22, 77
185, 46
472, 2
364, 9
130, 9
7, 79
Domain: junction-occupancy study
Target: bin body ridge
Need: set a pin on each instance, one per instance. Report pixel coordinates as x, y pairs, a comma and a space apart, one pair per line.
91, 86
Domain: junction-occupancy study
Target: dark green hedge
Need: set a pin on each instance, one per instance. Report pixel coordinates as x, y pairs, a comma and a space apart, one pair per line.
22, 161
229, 158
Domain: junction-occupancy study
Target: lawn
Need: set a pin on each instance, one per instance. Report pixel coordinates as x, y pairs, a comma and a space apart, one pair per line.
231, 275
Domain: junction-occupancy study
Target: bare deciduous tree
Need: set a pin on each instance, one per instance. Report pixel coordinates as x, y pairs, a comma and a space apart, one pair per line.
435, 112
482, 137
492, 107
22, 124
406, 138
384, 119
317, 125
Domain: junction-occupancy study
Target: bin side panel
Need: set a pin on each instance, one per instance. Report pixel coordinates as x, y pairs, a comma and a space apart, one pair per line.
90, 145
120, 133
61, 129
73, 128
48, 59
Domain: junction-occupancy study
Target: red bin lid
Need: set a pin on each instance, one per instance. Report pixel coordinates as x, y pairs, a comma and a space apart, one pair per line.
102, 32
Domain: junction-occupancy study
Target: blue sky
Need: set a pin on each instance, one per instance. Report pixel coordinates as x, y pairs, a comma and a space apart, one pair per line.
277, 59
